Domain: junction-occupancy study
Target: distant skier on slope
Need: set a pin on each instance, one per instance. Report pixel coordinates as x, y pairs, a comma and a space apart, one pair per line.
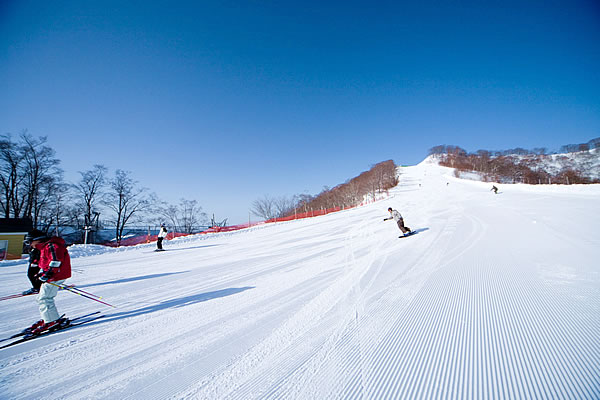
494, 189
34, 269
161, 235
55, 267
396, 216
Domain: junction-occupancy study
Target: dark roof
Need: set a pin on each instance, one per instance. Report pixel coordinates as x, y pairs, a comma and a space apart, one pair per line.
15, 225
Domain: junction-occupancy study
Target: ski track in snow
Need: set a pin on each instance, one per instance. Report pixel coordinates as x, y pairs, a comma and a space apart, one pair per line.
496, 296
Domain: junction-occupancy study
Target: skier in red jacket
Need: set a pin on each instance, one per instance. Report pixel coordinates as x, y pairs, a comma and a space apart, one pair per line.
55, 267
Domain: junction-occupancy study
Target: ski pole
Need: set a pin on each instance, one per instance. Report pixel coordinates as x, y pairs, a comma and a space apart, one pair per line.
88, 293
81, 294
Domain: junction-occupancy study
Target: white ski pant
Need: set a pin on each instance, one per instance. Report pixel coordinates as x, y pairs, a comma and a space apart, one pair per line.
45, 300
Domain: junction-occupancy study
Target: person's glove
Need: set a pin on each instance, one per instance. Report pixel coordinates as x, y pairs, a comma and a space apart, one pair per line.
34, 256
45, 275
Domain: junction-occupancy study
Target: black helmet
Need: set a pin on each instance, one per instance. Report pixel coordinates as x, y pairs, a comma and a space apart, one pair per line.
35, 234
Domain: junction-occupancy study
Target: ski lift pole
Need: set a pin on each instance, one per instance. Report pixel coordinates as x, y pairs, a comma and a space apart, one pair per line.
87, 230
81, 294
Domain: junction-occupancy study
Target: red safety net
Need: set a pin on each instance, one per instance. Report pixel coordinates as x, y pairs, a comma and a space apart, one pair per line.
307, 214
132, 241
135, 240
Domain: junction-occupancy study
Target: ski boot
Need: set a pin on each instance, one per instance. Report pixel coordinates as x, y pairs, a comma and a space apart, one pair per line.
30, 291
60, 323
34, 327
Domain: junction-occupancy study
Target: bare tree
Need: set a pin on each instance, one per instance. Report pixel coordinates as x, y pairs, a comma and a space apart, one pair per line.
191, 215
326, 197
437, 150
303, 201
11, 158
185, 217
56, 209
126, 200
352, 193
42, 176
170, 212
29, 175
284, 205
384, 174
264, 208
89, 191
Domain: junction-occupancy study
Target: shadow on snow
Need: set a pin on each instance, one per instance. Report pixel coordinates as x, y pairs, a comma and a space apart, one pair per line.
174, 303
189, 248
135, 278
420, 230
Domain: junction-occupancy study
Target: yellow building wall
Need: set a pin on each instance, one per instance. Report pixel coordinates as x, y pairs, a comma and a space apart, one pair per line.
15, 245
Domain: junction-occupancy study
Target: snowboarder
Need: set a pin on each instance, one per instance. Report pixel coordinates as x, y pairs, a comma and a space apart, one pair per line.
55, 267
33, 270
161, 235
395, 215
494, 189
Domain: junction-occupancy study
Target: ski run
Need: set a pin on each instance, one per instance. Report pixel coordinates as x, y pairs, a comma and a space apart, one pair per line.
497, 296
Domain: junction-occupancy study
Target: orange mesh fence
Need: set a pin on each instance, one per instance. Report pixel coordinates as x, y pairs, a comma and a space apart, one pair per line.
231, 228
140, 239
132, 241
307, 214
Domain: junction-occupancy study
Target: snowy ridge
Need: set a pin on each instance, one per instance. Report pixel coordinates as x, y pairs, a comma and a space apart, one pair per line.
587, 162
496, 296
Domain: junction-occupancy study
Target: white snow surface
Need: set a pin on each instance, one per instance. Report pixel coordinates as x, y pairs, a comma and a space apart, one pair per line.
496, 296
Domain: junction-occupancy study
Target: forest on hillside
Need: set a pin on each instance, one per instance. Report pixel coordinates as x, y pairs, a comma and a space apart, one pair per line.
575, 164
367, 186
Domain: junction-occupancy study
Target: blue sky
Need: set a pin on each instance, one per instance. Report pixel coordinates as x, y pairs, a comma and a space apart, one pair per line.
224, 102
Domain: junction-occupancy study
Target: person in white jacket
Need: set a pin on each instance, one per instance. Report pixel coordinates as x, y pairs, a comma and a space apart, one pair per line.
161, 235
396, 216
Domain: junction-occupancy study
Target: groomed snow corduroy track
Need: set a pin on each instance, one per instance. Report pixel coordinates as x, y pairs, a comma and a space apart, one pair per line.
496, 296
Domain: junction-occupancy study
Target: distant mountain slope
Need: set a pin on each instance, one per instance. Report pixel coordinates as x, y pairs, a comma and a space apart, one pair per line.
587, 163
569, 168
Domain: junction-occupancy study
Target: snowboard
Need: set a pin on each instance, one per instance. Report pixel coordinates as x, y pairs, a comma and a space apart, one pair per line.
408, 234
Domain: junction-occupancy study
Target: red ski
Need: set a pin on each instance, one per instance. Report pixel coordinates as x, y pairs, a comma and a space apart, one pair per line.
84, 319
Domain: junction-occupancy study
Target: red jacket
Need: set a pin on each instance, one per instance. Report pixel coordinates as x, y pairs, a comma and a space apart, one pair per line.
55, 250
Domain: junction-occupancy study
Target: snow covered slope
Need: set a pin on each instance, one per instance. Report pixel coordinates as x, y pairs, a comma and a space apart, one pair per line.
497, 296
